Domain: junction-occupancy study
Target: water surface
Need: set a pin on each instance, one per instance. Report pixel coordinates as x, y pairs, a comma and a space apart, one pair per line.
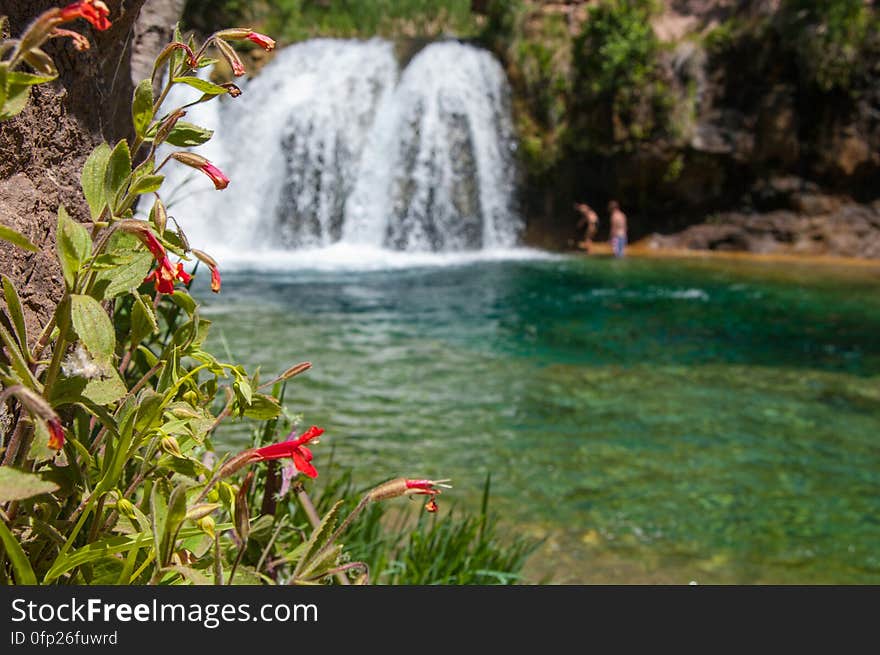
653, 420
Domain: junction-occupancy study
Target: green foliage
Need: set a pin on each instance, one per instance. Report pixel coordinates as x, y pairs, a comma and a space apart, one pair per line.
617, 48
105, 477
461, 548
835, 40
294, 20
619, 91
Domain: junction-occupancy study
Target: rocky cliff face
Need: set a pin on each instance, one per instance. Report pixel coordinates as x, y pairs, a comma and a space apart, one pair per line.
43, 148
734, 119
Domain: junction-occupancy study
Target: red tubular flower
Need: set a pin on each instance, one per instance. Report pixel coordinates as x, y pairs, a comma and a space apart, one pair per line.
94, 11
217, 177
197, 161
79, 41
209, 261
153, 244
215, 280
293, 448
56, 433
165, 275
261, 40
427, 488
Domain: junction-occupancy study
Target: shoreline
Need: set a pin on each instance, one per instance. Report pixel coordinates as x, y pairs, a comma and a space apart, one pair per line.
643, 249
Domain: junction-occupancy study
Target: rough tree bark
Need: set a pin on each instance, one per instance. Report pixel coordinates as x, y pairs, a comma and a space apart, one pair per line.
43, 149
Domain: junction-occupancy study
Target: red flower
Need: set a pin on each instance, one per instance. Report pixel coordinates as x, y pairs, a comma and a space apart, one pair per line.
56, 433
261, 40
94, 11
209, 261
217, 177
197, 161
165, 275
79, 41
215, 280
426, 487
293, 448
152, 244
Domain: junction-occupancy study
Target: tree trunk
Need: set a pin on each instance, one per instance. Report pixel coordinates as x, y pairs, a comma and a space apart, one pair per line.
42, 150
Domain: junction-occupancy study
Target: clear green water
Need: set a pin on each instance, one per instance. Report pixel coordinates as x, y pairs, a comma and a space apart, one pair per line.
653, 420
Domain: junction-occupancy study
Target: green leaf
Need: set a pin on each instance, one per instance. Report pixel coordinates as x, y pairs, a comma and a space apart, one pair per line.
16, 239
13, 305
191, 575
123, 279
319, 538
183, 300
105, 390
150, 406
118, 172
158, 514
18, 485
323, 562
92, 179
17, 97
18, 360
41, 62
24, 574
201, 85
173, 520
93, 326
142, 107
27, 79
143, 320
74, 246
186, 135
67, 391
262, 408
109, 547
243, 388
146, 184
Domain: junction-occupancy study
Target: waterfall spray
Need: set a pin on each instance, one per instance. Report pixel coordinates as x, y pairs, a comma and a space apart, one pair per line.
333, 144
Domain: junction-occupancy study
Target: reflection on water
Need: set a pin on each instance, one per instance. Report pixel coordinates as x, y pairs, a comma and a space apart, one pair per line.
657, 421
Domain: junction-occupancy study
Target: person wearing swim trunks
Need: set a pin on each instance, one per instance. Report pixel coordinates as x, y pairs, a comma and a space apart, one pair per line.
591, 220
618, 229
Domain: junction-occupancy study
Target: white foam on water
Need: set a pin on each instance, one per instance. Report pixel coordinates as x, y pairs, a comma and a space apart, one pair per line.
357, 257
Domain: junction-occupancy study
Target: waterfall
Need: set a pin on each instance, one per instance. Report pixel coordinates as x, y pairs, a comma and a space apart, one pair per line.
333, 144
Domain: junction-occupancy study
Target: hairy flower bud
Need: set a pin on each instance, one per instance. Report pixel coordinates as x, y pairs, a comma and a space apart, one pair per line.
198, 512
231, 57
40, 409
170, 446
126, 508
207, 524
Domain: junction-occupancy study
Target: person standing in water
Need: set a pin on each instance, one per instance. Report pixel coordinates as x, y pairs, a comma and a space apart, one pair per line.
618, 229
591, 220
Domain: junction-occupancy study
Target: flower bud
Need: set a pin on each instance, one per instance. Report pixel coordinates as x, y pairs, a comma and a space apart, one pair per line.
165, 128
158, 216
206, 524
231, 57
242, 515
126, 508
201, 510
170, 446
295, 370
41, 410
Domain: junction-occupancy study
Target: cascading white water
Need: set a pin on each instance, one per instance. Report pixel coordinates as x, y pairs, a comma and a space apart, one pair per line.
332, 144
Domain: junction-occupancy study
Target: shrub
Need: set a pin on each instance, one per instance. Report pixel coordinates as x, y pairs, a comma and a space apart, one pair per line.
106, 475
